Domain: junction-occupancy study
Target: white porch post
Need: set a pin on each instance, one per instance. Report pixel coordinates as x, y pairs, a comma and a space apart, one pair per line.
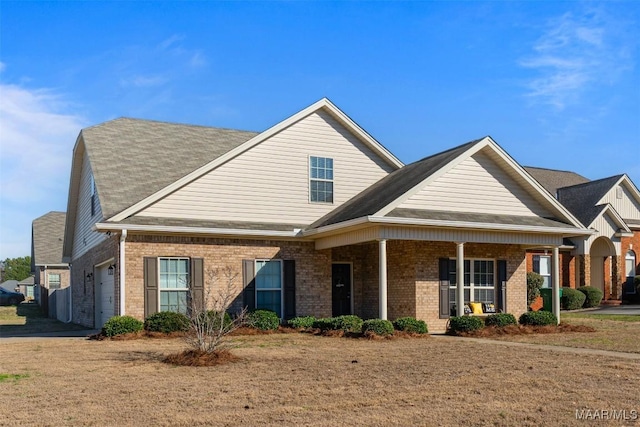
382, 259
556, 283
460, 280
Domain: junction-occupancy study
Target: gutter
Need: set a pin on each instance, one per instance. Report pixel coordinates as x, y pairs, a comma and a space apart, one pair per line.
102, 226
123, 238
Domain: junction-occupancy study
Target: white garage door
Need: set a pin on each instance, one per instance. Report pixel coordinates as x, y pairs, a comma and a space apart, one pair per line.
106, 296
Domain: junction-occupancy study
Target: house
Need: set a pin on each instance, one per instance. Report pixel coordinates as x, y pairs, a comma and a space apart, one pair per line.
26, 287
312, 216
608, 259
47, 234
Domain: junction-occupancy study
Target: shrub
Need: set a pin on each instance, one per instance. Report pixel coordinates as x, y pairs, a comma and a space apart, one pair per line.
348, 323
378, 327
500, 320
572, 299
594, 296
324, 323
534, 283
304, 322
459, 324
265, 320
166, 322
118, 325
538, 318
411, 324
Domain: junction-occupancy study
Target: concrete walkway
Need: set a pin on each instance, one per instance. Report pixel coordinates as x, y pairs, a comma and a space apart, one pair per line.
561, 349
627, 310
82, 334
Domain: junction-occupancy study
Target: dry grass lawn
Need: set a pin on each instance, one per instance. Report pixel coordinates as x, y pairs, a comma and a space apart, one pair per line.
300, 379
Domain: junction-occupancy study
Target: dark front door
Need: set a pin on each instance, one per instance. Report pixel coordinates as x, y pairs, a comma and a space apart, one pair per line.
341, 289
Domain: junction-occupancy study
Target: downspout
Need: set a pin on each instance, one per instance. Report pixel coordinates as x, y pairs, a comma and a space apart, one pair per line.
70, 297
123, 238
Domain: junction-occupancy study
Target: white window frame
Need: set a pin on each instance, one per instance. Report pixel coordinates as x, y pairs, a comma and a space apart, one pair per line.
471, 287
332, 180
281, 288
49, 281
549, 283
630, 256
161, 289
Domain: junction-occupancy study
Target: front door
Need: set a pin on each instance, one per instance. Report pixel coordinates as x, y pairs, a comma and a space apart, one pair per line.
341, 289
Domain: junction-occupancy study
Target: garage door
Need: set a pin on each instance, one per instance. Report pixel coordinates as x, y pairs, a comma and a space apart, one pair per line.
106, 296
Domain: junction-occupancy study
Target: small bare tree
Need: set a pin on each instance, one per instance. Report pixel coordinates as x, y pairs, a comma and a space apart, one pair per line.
210, 324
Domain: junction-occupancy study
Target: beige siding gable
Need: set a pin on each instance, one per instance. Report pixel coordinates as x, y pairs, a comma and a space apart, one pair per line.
479, 185
270, 182
623, 201
84, 236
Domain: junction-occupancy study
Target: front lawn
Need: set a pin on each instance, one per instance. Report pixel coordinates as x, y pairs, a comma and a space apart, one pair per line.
303, 379
27, 318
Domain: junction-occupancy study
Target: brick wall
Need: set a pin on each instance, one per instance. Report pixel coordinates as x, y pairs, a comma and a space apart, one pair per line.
65, 276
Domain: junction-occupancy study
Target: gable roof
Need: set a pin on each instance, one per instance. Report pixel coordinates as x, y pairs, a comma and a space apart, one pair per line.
324, 104
583, 199
132, 159
389, 188
47, 234
552, 179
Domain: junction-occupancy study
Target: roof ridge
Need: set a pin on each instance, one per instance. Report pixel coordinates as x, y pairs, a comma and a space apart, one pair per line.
594, 182
163, 122
554, 170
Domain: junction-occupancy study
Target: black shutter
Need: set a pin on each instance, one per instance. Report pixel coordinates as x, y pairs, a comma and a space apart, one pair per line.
197, 284
150, 286
444, 288
289, 311
249, 284
536, 263
501, 288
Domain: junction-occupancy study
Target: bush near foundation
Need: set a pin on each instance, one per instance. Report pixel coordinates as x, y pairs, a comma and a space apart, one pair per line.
119, 325
459, 324
594, 296
265, 320
500, 320
303, 322
377, 327
347, 323
411, 325
166, 322
572, 299
538, 318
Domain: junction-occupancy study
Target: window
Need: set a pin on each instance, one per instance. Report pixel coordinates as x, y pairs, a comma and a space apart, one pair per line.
93, 196
542, 266
174, 284
321, 179
479, 281
269, 285
54, 281
630, 269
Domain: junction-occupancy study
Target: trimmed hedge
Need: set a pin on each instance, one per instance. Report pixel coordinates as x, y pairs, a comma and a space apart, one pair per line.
119, 325
166, 322
410, 324
594, 296
459, 324
265, 320
500, 320
304, 322
378, 327
534, 283
538, 318
572, 299
347, 323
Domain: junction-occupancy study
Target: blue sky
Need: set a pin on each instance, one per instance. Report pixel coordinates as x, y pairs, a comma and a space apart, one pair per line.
557, 84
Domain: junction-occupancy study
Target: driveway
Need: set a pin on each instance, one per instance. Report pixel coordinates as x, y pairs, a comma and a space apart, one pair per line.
628, 310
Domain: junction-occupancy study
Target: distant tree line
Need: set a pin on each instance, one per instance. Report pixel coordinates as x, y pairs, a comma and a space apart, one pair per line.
16, 268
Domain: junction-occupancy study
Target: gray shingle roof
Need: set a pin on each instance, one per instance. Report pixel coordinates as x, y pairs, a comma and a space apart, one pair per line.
47, 238
581, 199
475, 217
552, 179
132, 159
389, 188
182, 222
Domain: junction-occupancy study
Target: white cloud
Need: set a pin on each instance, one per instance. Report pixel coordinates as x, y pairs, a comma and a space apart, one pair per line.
575, 53
36, 139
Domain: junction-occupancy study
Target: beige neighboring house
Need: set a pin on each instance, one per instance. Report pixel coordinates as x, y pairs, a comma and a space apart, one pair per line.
50, 271
26, 288
312, 216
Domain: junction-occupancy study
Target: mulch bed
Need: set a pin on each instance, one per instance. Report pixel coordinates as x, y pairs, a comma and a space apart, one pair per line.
201, 358
493, 331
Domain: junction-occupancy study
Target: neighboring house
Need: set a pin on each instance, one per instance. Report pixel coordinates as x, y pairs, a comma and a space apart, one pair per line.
609, 258
26, 287
10, 285
50, 271
312, 217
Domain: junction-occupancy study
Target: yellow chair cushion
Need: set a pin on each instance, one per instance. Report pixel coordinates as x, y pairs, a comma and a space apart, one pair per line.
476, 307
